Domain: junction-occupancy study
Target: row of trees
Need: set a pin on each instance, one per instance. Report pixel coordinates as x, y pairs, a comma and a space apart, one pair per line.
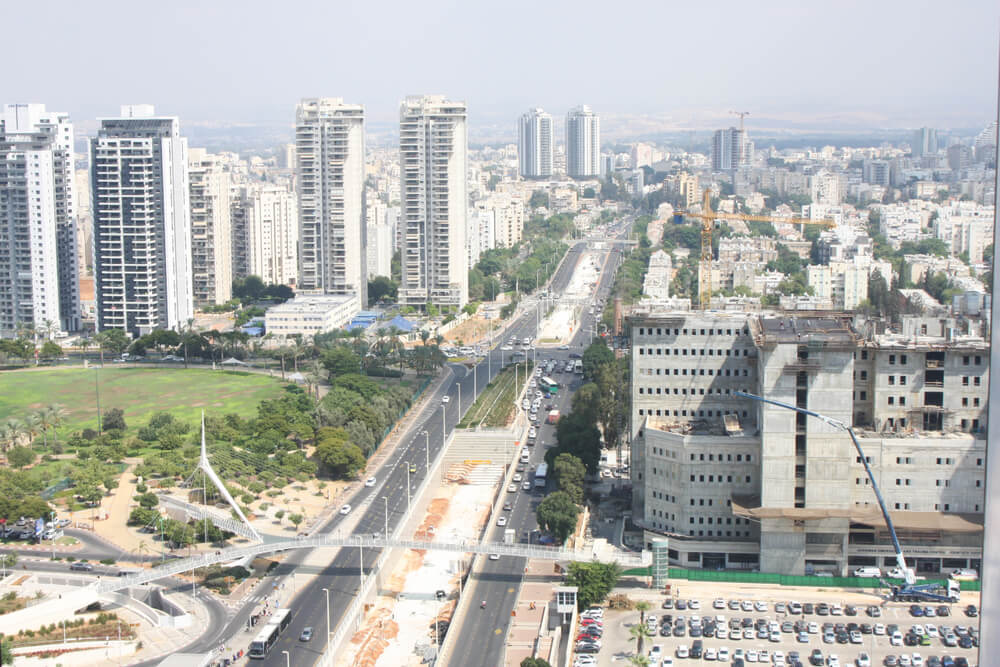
15, 432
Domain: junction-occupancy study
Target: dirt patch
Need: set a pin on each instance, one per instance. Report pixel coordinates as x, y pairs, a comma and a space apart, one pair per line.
436, 511
374, 636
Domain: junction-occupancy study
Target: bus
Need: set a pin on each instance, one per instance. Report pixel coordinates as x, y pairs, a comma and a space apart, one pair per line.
268, 636
540, 473
548, 384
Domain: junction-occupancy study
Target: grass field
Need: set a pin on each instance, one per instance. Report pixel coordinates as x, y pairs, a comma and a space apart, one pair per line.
138, 391
495, 405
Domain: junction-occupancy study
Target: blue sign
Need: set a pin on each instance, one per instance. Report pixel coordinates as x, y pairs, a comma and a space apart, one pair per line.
39, 526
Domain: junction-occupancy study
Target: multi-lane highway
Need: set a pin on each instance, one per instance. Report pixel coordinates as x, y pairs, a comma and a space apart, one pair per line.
482, 632
341, 576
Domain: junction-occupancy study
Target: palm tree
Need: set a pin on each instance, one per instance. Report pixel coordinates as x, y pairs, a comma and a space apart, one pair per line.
11, 433
83, 344
56, 416
642, 606
639, 660
32, 427
640, 633
44, 423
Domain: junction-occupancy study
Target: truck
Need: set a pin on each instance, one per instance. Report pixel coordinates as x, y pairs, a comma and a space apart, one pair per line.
553, 417
540, 472
509, 536
578, 367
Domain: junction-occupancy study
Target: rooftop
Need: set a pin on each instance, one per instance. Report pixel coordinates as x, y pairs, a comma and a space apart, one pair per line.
825, 330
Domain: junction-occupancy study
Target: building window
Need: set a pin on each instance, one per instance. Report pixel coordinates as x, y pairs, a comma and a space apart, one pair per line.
892, 400
892, 359
902, 400
965, 360
892, 380
902, 380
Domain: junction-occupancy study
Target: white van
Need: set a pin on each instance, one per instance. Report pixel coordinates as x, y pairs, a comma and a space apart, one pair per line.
964, 574
525, 456
868, 572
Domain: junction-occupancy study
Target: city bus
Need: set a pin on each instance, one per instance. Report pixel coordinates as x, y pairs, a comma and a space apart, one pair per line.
268, 636
540, 472
548, 384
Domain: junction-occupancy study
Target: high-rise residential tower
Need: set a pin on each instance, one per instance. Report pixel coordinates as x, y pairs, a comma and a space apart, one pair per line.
266, 233
211, 229
330, 170
583, 143
142, 223
534, 144
432, 152
39, 271
925, 142
731, 149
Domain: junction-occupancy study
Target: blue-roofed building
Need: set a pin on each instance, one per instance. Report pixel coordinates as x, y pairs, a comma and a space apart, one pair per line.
401, 323
363, 320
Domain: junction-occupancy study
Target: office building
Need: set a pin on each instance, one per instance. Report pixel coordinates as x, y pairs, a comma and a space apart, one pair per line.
330, 173
211, 229
142, 224
381, 234
583, 143
739, 484
731, 149
925, 142
266, 233
433, 165
534, 144
39, 267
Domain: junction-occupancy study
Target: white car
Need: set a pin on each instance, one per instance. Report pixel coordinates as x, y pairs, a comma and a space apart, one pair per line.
813, 627
506, 348
879, 629
517, 477
833, 661
526, 486
710, 654
346, 509
760, 605
917, 660
896, 639
564, 347
370, 481
445, 398
512, 488
694, 604
494, 556
682, 651
746, 605
904, 660
723, 654
719, 603
751, 655
532, 432
863, 660
502, 521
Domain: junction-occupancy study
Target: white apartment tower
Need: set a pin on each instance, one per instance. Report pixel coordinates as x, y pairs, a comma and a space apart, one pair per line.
731, 149
534, 144
433, 161
39, 281
270, 233
583, 143
142, 223
330, 173
211, 229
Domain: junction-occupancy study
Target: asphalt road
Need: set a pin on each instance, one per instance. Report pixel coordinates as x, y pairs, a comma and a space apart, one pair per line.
342, 576
483, 631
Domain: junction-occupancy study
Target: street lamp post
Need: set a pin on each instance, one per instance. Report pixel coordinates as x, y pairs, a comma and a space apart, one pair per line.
407, 487
444, 424
327, 591
427, 451
386, 499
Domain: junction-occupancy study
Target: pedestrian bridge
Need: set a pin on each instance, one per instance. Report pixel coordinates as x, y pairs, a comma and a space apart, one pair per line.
231, 554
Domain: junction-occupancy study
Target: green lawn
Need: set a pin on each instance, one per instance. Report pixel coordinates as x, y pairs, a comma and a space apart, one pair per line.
495, 404
138, 391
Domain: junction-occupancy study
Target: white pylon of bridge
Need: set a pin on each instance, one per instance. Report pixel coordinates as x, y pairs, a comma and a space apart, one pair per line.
206, 467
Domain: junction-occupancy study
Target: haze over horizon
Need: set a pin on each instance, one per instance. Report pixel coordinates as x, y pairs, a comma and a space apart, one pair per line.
848, 65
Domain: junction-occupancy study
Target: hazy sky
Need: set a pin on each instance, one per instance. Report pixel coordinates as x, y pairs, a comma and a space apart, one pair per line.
878, 63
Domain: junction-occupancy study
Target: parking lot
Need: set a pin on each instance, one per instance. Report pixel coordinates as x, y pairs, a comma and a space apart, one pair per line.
770, 632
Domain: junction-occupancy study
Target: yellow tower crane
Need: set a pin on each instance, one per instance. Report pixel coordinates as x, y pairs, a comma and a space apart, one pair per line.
708, 217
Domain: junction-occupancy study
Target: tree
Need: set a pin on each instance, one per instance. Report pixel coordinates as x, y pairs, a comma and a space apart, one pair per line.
577, 435
142, 516
381, 288
640, 633
639, 660
642, 606
148, 500
296, 519
614, 403
113, 420
50, 350
535, 662
569, 472
557, 515
336, 452
594, 581
339, 361
596, 355
20, 457
587, 401
6, 652
11, 433
248, 289
539, 199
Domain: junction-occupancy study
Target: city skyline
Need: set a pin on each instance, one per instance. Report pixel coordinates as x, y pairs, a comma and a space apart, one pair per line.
954, 88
